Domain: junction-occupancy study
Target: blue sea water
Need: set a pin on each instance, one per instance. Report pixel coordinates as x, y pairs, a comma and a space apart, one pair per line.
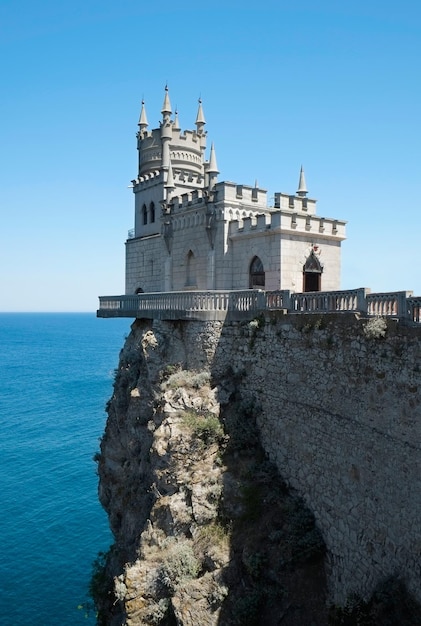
56, 374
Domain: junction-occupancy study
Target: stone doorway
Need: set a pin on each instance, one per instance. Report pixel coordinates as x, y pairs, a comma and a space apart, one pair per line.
312, 273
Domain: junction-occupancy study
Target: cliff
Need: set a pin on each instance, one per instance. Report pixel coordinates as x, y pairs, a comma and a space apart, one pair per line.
205, 416
206, 532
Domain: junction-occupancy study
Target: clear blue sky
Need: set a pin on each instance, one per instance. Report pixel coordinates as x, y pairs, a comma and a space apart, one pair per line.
330, 84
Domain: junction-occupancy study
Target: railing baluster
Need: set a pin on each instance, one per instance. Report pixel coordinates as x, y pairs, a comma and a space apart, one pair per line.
250, 302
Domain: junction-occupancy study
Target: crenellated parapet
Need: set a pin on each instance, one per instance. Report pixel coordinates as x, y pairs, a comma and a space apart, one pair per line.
287, 222
234, 194
294, 203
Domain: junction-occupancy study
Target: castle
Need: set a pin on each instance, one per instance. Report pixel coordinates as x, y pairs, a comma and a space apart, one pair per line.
192, 232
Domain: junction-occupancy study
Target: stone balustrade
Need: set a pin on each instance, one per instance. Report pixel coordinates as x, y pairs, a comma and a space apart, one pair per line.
246, 304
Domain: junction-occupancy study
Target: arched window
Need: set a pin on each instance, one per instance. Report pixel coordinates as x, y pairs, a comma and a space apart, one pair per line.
144, 214
312, 273
256, 274
191, 270
152, 211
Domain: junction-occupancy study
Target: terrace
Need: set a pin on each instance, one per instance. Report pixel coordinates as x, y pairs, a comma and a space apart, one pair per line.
247, 304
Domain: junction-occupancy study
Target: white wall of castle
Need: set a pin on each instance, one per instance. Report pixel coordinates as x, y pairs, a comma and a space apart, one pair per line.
194, 264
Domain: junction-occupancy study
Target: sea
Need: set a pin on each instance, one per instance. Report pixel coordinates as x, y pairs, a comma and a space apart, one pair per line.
56, 375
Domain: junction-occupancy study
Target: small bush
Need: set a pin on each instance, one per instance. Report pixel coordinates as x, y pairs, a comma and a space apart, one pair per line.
158, 611
179, 565
375, 328
185, 378
204, 426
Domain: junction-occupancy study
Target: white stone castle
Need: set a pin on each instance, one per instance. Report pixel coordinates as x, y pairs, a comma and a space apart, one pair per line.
192, 232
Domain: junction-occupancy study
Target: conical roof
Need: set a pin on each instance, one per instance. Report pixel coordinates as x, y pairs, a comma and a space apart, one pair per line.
166, 107
200, 118
213, 167
302, 187
143, 120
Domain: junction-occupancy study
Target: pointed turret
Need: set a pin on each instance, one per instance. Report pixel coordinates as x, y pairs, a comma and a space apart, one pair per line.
169, 184
166, 130
143, 120
212, 168
200, 118
166, 107
302, 187
176, 124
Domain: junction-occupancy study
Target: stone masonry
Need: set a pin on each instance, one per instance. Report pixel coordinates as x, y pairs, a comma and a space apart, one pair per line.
339, 413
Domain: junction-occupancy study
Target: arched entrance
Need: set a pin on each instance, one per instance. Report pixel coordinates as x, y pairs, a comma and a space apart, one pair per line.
312, 273
256, 274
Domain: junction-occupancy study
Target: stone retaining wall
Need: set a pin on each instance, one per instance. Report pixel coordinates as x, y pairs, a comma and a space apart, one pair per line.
339, 413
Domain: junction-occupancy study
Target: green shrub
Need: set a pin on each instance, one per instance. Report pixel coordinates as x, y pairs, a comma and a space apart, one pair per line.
204, 426
186, 378
179, 565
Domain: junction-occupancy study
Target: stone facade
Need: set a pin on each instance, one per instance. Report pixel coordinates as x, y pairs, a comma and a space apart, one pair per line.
340, 417
193, 232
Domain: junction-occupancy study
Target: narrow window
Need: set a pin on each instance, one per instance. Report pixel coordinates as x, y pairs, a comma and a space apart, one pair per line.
152, 211
145, 214
191, 270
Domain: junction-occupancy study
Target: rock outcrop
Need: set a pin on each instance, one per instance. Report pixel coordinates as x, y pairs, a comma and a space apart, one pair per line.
205, 531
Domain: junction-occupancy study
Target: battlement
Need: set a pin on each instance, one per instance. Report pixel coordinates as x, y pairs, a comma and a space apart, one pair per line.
235, 194
284, 201
188, 200
150, 177
286, 221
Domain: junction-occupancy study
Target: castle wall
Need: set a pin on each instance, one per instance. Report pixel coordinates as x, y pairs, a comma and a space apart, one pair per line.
144, 264
340, 416
151, 191
294, 252
339, 413
189, 236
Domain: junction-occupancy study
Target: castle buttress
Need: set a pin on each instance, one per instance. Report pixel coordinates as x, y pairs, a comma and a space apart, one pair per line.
192, 232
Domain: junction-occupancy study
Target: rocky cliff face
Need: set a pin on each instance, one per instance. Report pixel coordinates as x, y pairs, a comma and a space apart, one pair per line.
206, 532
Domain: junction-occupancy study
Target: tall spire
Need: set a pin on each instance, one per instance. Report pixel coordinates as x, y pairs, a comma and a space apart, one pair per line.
302, 187
213, 168
143, 120
200, 118
166, 107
